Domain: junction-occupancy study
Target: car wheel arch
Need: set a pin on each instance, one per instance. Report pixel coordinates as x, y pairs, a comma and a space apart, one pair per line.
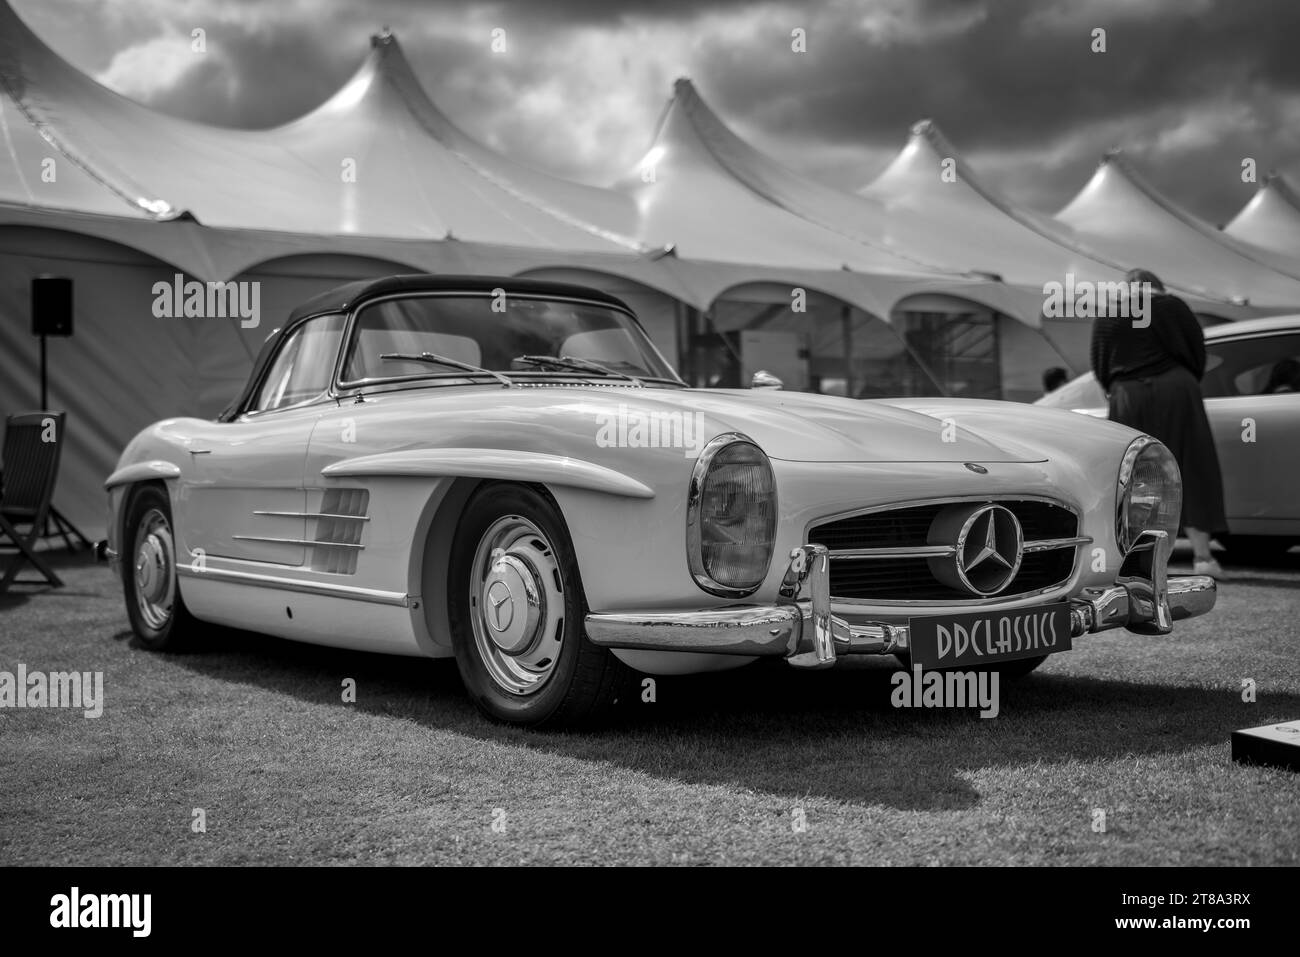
129, 493
432, 544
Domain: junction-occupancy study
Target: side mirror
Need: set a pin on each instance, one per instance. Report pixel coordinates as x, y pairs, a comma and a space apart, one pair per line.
765, 380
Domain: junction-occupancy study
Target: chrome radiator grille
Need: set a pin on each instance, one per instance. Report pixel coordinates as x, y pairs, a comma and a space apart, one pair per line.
884, 554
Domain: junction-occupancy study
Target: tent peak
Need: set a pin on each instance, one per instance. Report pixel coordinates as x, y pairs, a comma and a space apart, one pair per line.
1116, 164
927, 141
383, 38
684, 92
928, 130
1270, 219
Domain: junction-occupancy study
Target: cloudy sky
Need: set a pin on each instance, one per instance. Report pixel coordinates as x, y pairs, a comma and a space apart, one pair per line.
1189, 88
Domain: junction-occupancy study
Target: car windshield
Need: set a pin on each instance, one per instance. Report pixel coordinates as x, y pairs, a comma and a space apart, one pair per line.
404, 337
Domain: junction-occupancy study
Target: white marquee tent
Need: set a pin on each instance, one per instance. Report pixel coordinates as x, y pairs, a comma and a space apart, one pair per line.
1125, 218
378, 180
1270, 221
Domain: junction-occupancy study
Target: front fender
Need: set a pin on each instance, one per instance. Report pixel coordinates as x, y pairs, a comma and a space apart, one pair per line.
150, 471
511, 465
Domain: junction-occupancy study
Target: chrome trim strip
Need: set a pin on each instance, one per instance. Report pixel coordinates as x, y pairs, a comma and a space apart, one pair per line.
351, 592
857, 606
946, 551
817, 576
942, 500
351, 518
901, 551
293, 541
737, 629
1126, 465
1047, 544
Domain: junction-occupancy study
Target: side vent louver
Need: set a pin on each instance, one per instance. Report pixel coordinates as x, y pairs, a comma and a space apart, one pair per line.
338, 530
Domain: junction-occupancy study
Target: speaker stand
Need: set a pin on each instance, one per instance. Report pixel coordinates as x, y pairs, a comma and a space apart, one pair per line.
62, 526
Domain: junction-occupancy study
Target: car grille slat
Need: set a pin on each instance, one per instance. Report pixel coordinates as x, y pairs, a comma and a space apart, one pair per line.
910, 579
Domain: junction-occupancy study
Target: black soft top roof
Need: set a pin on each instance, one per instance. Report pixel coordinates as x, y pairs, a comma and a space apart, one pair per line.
352, 294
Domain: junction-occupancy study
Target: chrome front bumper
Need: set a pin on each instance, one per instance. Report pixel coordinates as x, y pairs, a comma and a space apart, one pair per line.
801, 628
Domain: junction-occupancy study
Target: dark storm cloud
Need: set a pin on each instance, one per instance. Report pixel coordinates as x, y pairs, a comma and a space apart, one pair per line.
1010, 78
1022, 76
1189, 87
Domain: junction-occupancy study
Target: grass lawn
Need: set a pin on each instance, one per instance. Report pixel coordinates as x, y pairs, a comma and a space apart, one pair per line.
254, 731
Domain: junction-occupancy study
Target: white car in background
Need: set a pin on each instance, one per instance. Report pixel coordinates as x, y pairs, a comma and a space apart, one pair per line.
1252, 397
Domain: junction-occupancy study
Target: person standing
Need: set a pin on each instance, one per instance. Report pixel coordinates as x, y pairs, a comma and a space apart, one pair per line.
1151, 373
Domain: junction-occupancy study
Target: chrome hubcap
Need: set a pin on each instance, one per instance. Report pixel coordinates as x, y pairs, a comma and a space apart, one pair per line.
517, 605
154, 569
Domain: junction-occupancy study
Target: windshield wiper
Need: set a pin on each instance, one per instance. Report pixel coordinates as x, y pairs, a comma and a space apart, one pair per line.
444, 361
573, 362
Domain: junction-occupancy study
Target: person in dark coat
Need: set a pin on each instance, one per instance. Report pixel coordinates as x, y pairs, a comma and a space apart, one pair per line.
1151, 373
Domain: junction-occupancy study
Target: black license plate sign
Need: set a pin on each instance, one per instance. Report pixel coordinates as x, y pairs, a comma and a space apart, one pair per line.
989, 637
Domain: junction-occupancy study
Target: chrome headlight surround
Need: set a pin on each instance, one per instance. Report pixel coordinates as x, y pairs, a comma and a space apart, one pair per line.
717, 454
1149, 494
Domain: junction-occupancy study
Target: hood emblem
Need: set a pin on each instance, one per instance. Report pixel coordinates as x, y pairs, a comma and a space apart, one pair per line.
988, 545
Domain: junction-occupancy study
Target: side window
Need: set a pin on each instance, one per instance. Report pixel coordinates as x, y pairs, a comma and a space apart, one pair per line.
302, 368
1262, 365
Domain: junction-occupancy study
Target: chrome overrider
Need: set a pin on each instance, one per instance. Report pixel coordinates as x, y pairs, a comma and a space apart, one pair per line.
800, 627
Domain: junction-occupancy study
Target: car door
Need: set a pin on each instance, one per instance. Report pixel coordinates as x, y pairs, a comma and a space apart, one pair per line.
1252, 398
243, 496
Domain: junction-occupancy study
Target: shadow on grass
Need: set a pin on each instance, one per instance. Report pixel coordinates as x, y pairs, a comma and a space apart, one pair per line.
767, 727
15, 596
30, 584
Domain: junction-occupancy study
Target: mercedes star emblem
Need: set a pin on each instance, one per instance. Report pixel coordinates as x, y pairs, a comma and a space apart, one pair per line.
502, 611
986, 542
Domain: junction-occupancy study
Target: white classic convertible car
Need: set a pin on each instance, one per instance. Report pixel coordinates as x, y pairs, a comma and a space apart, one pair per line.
509, 472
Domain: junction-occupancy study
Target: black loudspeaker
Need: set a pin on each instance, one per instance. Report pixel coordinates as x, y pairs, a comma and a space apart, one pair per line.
51, 306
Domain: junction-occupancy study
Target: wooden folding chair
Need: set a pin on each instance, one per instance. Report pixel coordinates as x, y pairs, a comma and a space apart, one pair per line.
32, 443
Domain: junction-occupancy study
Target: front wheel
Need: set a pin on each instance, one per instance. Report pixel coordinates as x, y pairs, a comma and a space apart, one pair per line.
516, 609
154, 605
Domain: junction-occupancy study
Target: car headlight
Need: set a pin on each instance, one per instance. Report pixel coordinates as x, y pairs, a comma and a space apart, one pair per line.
731, 516
1150, 492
